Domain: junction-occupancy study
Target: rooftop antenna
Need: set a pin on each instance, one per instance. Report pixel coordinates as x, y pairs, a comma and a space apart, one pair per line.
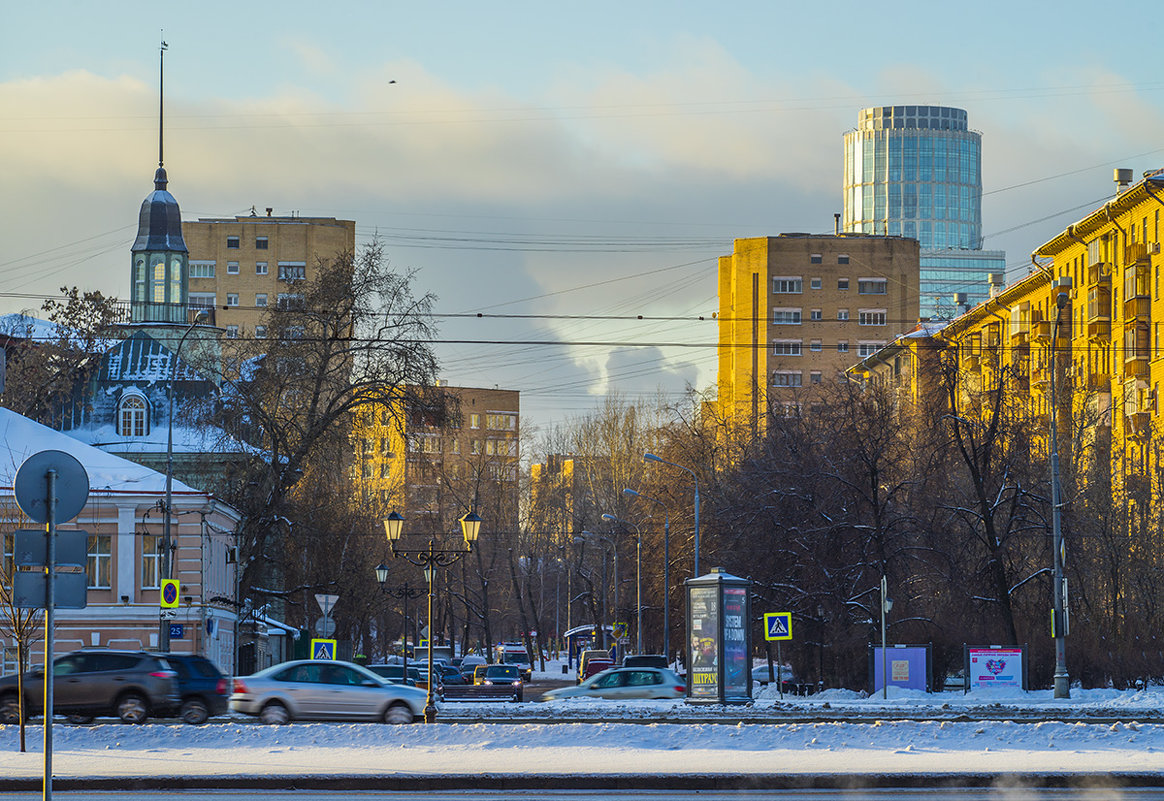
161, 91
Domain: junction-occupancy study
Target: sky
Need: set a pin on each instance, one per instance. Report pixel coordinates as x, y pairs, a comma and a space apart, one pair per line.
561, 169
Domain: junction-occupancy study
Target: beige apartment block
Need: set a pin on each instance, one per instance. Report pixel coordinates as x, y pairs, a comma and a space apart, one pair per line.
797, 310
241, 266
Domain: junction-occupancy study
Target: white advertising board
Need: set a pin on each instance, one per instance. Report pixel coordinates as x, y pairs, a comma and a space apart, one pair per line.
995, 668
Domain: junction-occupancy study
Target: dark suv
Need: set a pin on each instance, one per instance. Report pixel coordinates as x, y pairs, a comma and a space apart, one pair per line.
127, 684
202, 688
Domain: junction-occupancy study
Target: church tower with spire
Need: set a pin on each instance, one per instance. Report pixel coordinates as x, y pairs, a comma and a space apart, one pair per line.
160, 283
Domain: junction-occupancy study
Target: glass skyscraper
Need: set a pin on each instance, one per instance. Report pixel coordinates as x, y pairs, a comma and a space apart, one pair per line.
916, 171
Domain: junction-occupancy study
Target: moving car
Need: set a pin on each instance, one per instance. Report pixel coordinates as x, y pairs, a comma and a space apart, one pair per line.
130, 685
622, 683
514, 653
397, 674
492, 675
202, 688
645, 660
319, 689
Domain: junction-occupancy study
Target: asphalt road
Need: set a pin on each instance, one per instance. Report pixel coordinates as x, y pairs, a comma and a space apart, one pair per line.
884, 794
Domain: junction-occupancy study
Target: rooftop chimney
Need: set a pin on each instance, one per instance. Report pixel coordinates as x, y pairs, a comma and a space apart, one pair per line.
1122, 177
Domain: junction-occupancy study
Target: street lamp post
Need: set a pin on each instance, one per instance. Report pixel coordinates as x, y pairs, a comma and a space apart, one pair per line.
638, 580
650, 457
402, 592
429, 559
167, 563
666, 570
1058, 618
605, 585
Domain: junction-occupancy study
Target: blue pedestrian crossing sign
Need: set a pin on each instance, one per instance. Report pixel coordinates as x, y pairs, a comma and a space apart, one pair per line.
323, 649
777, 626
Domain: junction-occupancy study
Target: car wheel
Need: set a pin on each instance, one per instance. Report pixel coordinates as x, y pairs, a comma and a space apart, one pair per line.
132, 708
397, 714
274, 714
10, 709
194, 712
79, 718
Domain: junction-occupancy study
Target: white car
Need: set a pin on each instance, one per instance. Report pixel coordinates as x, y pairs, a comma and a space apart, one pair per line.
624, 683
320, 689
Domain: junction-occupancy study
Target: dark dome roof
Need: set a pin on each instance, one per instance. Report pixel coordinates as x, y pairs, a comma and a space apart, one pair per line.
159, 226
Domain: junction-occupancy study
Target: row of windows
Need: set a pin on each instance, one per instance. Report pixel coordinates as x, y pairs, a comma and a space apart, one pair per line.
99, 560
789, 316
495, 421
233, 242
794, 347
206, 269
795, 286
209, 300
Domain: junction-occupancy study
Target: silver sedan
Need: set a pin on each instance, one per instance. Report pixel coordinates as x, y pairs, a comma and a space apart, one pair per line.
312, 689
619, 683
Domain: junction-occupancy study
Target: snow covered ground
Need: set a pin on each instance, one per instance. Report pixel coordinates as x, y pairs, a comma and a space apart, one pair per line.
879, 746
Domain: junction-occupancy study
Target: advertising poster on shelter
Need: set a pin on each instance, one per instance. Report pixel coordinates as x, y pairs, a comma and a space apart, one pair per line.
735, 642
995, 668
704, 645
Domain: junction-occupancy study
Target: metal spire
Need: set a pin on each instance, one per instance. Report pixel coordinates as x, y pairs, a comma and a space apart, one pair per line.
161, 93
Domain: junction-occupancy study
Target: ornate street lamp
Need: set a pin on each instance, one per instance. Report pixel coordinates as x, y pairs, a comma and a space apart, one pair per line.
429, 559
402, 592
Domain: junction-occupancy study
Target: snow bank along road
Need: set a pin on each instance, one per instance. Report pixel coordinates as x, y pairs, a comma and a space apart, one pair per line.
475, 754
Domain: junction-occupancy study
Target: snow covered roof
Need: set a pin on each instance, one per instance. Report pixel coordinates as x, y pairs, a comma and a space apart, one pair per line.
187, 439
21, 437
24, 326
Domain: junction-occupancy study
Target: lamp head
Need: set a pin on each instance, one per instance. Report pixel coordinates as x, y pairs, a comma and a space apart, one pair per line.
429, 572
629, 491
470, 528
650, 457
394, 526
381, 572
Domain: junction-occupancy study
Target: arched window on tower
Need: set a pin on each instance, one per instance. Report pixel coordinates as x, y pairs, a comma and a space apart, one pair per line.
131, 416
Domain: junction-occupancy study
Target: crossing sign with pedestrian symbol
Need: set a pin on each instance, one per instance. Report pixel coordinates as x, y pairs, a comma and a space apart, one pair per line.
323, 649
777, 625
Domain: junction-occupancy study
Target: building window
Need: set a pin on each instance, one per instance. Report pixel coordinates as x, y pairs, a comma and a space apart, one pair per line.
842, 314
290, 300
201, 300
501, 422
232, 332
260, 243
260, 332
816, 314
231, 298
293, 332
201, 269
814, 346
787, 286
814, 258
131, 417
789, 347
232, 242
476, 449
872, 286
260, 268
842, 347
151, 561
232, 268
868, 348
842, 259
292, 271
474, 422
786, 316
261, 300
814, 377
816, 283
871, 317
787, 378
99, 562
369, 470
842, 284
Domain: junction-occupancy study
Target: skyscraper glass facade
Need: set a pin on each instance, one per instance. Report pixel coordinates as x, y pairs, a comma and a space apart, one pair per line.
916, 171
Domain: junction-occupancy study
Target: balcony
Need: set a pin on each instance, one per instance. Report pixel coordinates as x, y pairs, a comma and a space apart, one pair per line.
1099, 329
1137, 307
1138, 252
1099, 275
1099, 382
1136, 366
1041, 330
972, 362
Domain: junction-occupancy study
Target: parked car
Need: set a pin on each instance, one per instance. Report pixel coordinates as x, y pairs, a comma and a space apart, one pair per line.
451, 675
645, 660
493, 675
789, 682
585, 657
310, 689
397, 674
619, 683
130, 685
514, 653
594, 666
469, 663
203, 690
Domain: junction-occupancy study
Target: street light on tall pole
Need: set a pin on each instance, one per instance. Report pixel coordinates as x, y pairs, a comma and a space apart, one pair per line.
167, 563
429, 559
638, 579
605, 586
405, 591
1058, 618
650, 457
666, 569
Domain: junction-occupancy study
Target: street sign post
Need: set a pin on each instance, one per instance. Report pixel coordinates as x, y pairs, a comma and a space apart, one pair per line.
777, 628
323, 649
50, 487
168, 597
